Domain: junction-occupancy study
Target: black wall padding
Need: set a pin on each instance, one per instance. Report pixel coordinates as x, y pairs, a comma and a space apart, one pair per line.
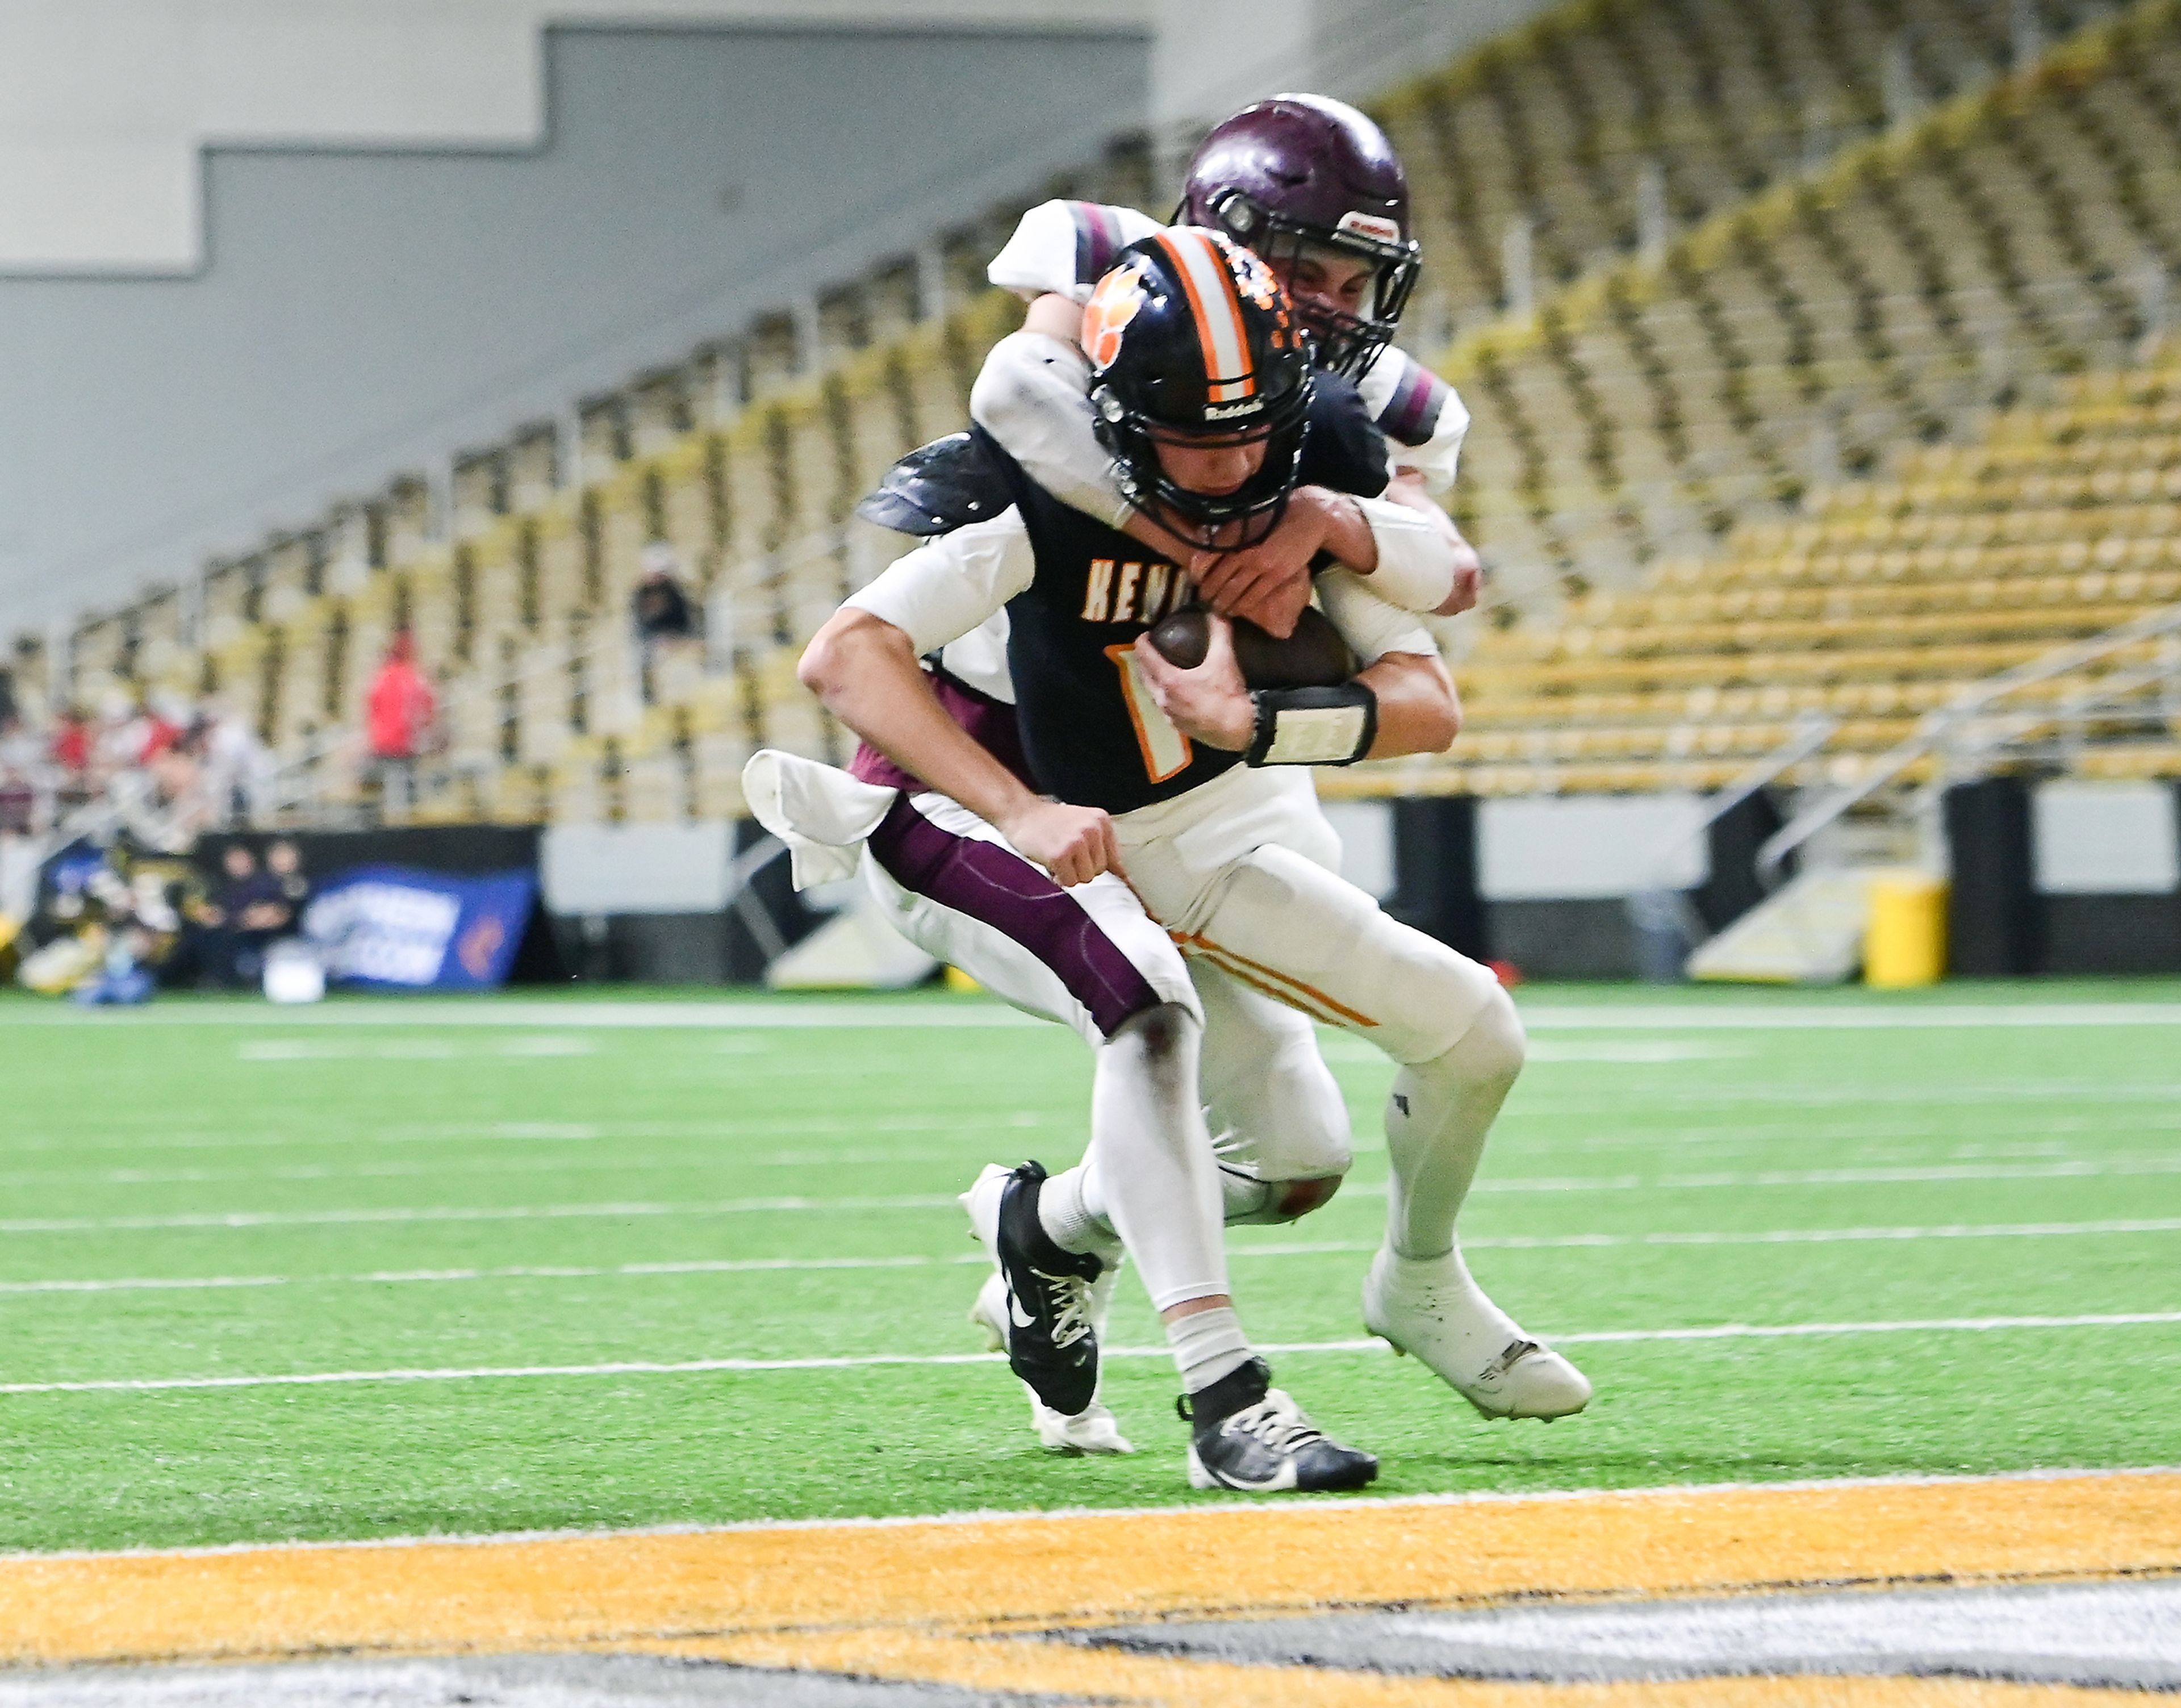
2100, 935
1734, 838
1435, 872
1994, 923
462, 850
1593, 938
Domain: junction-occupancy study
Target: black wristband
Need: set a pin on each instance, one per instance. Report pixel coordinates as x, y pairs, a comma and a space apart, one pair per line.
1312, 726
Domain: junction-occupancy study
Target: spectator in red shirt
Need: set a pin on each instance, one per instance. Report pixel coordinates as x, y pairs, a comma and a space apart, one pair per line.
398, 715
71, 741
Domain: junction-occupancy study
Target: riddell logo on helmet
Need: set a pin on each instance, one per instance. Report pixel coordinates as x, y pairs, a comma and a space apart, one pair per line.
1228, 412
1370, 225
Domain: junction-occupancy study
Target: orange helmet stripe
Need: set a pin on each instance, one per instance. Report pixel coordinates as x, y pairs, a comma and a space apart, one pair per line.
1220, 332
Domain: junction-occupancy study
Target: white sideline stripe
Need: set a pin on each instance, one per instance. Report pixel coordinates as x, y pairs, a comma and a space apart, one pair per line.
236, 1219
1723, 1331
1850, 1016
729, 1266
1210, 1514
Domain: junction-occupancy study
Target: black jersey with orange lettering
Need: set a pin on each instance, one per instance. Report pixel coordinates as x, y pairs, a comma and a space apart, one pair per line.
1091, 731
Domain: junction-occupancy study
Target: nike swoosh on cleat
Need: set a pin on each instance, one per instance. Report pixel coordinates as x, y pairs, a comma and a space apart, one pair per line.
1282, 1480
1020, 1317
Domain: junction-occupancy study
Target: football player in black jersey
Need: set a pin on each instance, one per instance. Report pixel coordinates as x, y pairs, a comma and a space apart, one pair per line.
1315, 188
1202, 376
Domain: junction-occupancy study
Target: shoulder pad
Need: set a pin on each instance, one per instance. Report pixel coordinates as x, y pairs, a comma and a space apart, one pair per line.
938, 488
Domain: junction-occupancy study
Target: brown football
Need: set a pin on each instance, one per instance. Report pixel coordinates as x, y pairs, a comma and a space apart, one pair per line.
1313, 656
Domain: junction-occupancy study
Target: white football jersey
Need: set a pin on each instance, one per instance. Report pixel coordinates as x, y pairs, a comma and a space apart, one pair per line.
1064, 248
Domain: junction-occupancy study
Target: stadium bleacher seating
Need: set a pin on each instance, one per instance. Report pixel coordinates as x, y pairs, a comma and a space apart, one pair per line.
2018, 234
1738, 461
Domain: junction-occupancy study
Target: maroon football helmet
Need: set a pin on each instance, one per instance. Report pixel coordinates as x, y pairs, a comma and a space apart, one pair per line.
1300, 173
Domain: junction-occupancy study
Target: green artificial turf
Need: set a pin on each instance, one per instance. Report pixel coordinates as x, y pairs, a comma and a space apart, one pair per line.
283, 1158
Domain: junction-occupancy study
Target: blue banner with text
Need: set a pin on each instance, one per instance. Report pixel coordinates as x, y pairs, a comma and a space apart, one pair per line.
396, 928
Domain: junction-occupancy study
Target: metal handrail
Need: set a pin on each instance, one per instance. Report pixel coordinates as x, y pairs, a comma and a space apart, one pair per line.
1936, 729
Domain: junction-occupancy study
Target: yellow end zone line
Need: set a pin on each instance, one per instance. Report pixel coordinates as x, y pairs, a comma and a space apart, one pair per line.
934, 1599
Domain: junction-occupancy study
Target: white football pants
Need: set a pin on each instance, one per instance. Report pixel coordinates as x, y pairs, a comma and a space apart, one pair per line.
1238, 873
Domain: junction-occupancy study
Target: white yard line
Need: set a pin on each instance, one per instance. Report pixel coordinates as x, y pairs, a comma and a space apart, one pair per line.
1936, 1090
715, 1144
639, 1016
719, 1266
1723, 1331
218, 1220
1694, 1016
1856, 1016
735, 1266
719, 1136
229, 1219
496, 1168
720, 1131
719, 1159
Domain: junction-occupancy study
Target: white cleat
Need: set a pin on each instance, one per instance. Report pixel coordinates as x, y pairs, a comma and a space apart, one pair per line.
981, 1204
1431, 1307
1091, 1431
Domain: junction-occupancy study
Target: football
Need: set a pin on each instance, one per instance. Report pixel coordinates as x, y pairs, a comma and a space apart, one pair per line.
1313, 656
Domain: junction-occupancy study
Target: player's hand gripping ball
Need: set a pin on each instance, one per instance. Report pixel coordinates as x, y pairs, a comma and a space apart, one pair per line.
1313, 656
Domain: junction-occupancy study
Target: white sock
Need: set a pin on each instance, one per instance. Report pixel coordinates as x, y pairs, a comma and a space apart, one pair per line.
1073, 1216
1207, 1345
1150, 1168
1437, 1120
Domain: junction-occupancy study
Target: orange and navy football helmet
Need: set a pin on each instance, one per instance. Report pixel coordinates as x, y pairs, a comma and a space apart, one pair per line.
1191, 339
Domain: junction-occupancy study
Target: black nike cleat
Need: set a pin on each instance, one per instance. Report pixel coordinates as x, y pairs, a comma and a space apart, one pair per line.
1251, 1436
1050, 1341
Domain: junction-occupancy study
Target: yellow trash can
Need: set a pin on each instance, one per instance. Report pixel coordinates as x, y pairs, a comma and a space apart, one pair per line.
1906, 945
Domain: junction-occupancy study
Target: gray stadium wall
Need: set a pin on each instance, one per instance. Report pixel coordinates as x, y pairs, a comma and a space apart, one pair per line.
366, 311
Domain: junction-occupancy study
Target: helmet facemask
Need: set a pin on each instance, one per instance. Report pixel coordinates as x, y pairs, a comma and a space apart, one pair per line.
1342, 342
1206, 522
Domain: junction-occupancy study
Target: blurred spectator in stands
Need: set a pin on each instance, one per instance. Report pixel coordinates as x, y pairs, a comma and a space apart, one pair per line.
116, 740
399, 711
663, 611
72, 742
248, 912
167, 719
237, 768
284, 861
19, 777
665, 621
167, 805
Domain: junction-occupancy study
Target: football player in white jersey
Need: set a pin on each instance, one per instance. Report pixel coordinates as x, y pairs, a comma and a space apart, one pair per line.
1084, 954
1315, 189
1317, 184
